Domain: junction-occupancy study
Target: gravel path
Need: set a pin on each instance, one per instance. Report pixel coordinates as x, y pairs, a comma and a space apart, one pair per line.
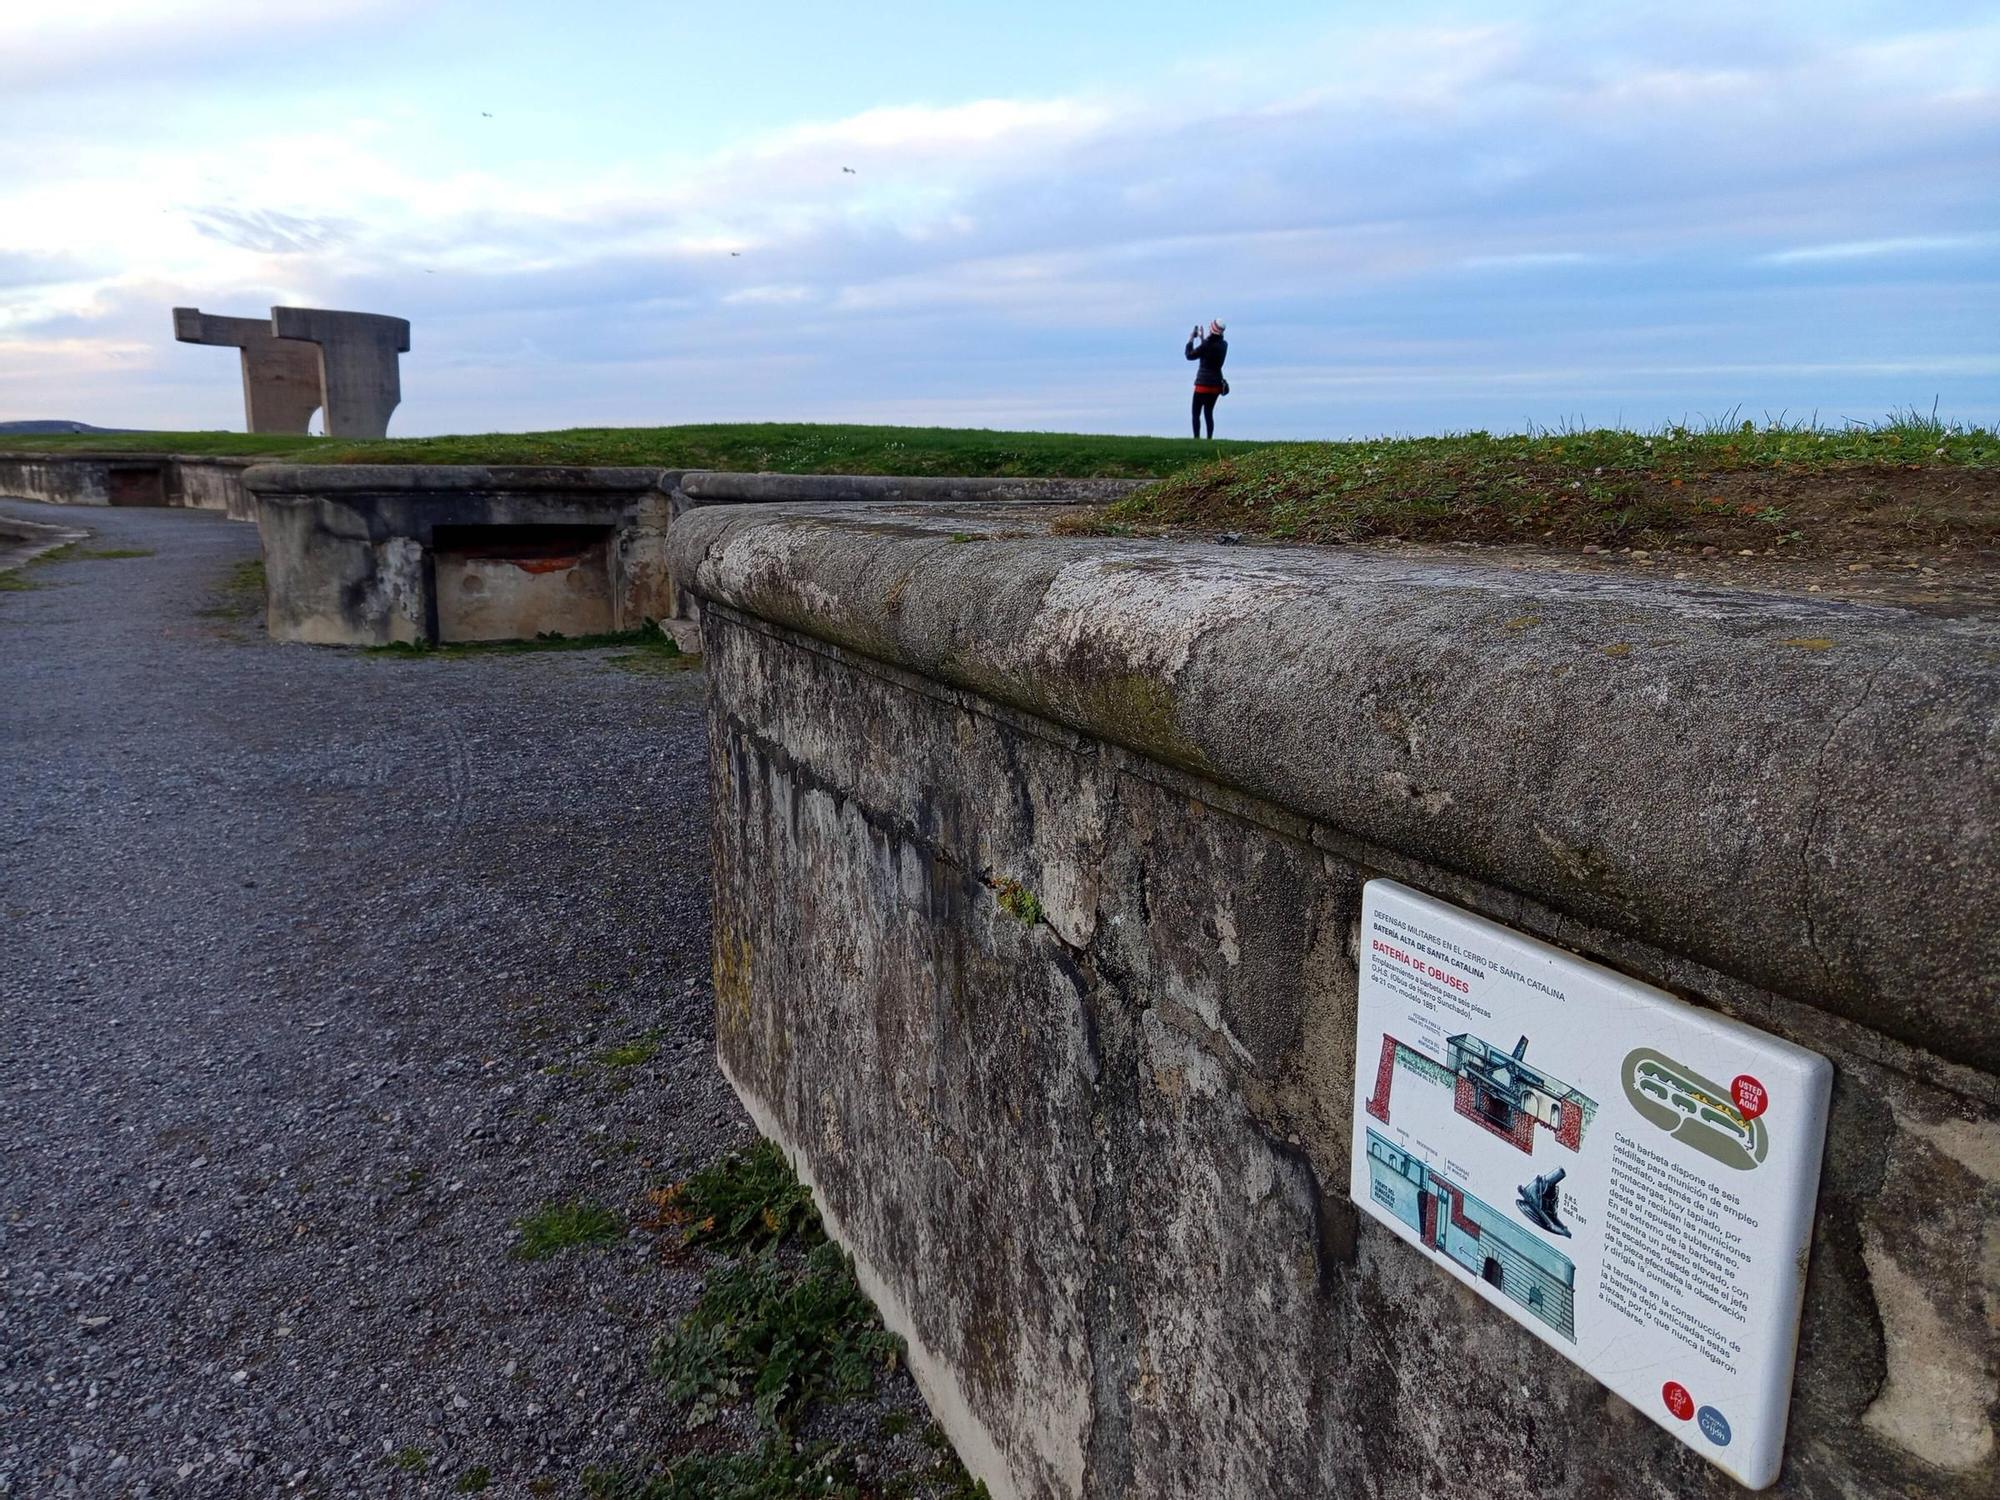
308, 966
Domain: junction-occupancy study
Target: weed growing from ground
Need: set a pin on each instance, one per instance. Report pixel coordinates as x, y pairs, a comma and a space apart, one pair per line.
783, 1325
776, 1471
784, 1336
556, 1227
411, 1460
474, 1480
749, 1200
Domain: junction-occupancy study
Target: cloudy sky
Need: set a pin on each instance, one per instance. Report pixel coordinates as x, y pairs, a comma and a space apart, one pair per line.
1414, 218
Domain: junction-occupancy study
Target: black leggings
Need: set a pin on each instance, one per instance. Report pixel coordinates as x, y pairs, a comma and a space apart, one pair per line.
1204, 405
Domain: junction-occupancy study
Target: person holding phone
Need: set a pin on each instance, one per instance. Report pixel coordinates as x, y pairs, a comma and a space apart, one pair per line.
1208, 382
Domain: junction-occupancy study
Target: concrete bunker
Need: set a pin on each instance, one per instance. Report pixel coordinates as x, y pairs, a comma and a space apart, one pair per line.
371, 555
366, 555
306, 359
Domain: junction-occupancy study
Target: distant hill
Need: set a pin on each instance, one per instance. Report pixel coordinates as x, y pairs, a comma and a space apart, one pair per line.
37, 429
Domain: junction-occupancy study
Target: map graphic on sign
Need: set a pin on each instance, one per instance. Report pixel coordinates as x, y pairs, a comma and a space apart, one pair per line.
1628, 1177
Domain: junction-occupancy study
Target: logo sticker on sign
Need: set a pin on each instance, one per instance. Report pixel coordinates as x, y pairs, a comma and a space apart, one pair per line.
1562, 1139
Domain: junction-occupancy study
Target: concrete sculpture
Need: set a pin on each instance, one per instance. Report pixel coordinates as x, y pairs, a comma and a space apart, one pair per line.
358, 364
281, 380
352, 374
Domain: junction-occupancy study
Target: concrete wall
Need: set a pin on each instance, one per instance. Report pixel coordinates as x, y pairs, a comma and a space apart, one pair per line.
214, 484
1094, 1165
350, 550
699, 488
72, 479
150, 479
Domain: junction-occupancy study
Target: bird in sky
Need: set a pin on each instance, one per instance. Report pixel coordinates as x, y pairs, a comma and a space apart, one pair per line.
734, 254
850, 171
486, 114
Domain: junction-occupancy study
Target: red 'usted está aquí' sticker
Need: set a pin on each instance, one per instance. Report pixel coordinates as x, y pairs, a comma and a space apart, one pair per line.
1751, 1100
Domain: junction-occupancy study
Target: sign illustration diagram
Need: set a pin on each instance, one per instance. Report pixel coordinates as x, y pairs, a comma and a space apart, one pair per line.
1541, 1204
1475, 1234
1496, 1090
1595, 1180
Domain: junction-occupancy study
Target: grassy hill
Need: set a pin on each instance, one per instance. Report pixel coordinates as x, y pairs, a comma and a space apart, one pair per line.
779, 447
1908, 481
1793, 488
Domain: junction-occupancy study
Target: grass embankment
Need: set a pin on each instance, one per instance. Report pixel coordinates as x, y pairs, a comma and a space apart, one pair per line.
1907, 482
775, 447
1798, 489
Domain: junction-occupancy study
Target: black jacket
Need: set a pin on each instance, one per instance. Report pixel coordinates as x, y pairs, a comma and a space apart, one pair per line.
1211, 351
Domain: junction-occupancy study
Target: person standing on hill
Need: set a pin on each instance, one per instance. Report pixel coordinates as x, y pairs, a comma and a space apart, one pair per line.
1208, 381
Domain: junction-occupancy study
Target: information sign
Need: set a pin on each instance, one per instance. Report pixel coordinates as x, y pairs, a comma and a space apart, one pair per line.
1629, 1178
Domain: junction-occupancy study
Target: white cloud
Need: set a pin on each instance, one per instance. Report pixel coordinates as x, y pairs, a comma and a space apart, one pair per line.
1875, 249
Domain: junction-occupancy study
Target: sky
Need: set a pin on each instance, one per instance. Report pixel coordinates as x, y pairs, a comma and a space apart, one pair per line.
1414, 218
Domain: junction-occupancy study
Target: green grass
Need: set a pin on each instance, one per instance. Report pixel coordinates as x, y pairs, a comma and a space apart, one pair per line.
655, 652
782, 1336
779, 447
1906, 481
240, 594
556, 1227
411, 1460
630, 1054
474, 1480
16, 580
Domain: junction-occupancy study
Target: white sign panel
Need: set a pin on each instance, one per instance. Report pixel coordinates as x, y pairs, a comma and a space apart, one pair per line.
1628, 1178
